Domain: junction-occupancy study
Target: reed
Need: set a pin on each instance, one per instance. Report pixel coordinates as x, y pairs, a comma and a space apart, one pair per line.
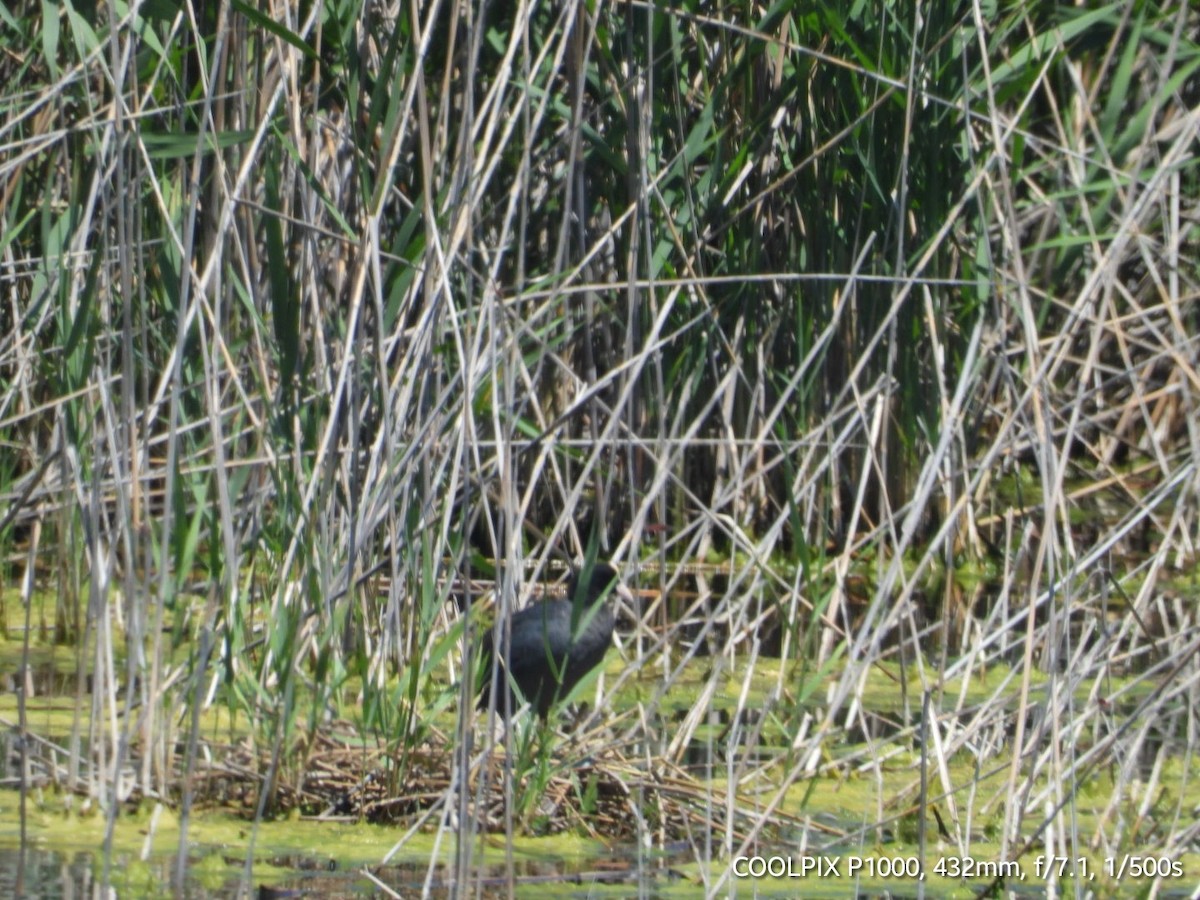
321, 322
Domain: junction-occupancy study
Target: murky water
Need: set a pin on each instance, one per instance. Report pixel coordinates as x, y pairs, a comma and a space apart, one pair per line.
46, 874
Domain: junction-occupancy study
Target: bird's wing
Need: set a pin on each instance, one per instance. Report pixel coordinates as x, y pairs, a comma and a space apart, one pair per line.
535, 630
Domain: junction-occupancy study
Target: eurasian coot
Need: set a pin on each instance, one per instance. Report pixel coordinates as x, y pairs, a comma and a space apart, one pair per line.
553, 644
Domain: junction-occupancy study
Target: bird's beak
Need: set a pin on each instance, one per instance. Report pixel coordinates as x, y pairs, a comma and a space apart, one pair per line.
624, 593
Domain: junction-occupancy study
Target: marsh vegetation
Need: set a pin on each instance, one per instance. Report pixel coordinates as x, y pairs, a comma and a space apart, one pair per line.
862, 337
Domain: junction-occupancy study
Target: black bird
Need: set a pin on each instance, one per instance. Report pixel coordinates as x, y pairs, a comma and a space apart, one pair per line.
553, 644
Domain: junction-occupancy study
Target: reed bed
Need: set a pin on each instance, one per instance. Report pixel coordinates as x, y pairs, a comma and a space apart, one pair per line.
865, 341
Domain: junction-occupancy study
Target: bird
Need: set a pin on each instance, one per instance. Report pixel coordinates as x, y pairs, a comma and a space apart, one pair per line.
553, 644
